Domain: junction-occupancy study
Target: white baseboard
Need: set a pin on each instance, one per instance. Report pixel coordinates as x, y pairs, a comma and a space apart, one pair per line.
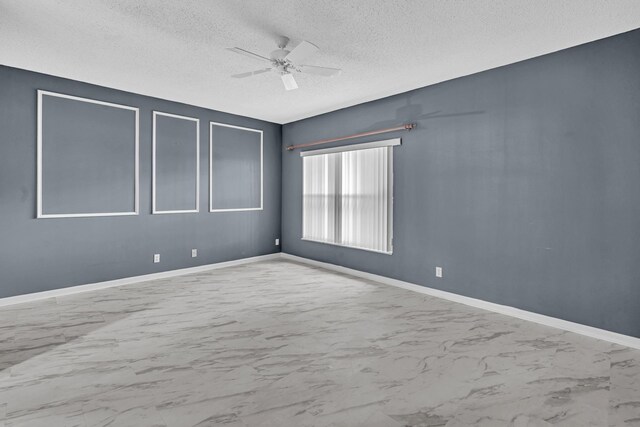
566, 325
129, 280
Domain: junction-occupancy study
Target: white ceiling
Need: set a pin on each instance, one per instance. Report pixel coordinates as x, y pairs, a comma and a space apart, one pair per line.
176, 49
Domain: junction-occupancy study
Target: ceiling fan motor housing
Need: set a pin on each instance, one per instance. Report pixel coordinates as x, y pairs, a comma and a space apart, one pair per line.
279, 54
280, 63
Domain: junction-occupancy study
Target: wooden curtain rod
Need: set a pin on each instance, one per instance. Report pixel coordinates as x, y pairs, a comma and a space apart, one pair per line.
407, 126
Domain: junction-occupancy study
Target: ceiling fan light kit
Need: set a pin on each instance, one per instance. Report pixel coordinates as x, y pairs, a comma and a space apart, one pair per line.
289, 81
286, 62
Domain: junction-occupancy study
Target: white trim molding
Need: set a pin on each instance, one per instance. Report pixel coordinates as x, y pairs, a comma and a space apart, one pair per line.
19, 299
153, 164
211, 209
565, 325
136, 196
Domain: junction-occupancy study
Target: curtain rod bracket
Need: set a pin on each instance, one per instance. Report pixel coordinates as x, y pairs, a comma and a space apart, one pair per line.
406, 126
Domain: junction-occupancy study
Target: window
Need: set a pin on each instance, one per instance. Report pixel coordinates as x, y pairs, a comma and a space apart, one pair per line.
348, 195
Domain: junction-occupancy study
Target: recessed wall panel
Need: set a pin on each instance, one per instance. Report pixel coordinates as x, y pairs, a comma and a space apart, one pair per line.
87, 157
235, 168
175, 163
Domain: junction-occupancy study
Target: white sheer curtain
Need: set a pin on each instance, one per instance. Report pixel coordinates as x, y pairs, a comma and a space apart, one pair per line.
347, 197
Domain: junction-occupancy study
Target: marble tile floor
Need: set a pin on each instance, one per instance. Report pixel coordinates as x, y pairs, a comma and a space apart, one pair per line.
278, 343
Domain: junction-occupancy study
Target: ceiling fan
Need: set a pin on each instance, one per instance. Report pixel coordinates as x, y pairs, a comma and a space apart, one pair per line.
285, 62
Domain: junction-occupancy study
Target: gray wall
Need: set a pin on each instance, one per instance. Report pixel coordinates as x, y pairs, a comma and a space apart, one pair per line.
44, 254
236, 168
522, 182
176, 163
89, 153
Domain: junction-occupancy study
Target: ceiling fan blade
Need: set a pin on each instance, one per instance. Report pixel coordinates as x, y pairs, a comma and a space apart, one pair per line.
320, 71
249, 54
301, 52
289, 81
250, 73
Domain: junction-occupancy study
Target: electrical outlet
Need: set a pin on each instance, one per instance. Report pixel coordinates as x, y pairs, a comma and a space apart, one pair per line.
277, 242
194, 253
438, 271
156, 258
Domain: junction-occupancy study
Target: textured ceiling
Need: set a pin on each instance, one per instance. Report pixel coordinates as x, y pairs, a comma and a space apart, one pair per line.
176, 49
